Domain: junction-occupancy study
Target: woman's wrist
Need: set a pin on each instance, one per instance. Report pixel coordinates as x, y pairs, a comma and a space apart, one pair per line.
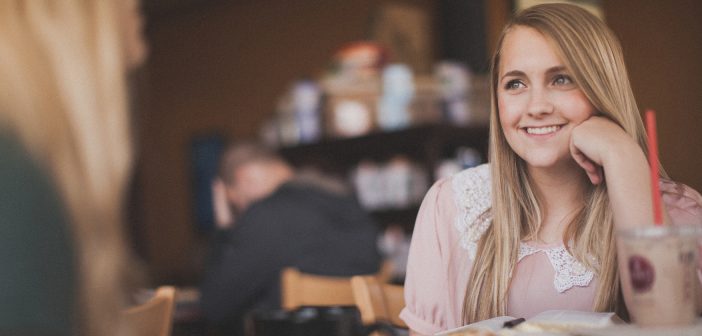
627, 176
625, 155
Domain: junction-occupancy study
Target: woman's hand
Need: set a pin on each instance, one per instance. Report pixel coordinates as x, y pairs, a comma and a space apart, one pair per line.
595, 142
606, 152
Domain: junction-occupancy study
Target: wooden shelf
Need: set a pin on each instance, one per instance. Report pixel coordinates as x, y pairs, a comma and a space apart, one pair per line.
427, 145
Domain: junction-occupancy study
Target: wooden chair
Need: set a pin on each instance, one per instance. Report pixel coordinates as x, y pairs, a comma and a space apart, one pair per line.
385, 272
301, 289
153, 317
378, 301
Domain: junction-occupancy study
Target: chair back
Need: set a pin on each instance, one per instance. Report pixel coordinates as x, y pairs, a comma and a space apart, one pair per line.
385, 272
301, 289
153, 317
378, 301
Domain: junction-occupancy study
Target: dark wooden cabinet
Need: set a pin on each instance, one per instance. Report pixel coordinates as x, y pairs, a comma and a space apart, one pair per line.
425, 145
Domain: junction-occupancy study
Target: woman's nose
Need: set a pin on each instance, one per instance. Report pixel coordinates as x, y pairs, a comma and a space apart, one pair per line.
539, 104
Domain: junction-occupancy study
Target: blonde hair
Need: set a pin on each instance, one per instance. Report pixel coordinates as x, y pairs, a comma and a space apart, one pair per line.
593, 56
63, 95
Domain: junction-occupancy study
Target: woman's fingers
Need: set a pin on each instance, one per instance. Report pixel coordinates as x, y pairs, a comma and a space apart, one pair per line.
594, 171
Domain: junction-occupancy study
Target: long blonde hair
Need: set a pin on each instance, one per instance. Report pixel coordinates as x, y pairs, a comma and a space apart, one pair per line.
593, 55
63, 96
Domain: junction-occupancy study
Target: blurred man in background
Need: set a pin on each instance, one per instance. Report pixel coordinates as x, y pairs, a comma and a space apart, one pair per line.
268, 218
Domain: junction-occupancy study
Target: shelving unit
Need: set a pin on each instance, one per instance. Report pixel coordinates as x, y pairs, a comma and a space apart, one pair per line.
426, 145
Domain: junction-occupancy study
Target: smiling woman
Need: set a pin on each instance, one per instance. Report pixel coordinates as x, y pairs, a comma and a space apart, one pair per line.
533, 230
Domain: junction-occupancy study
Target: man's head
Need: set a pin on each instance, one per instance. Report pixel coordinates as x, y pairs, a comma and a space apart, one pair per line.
251, 172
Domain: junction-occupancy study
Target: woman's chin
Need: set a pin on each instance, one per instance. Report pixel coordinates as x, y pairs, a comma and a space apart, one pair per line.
549, 162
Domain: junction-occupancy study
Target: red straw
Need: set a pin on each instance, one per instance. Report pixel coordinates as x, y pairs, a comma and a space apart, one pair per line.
653, 163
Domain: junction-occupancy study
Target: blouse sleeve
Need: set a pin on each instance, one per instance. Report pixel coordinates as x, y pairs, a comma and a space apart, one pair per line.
425, 300
684, 204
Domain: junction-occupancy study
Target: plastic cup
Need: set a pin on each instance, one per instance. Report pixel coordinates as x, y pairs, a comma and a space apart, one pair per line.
660, 278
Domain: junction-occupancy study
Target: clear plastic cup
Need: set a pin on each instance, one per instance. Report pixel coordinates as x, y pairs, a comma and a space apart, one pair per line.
660, 278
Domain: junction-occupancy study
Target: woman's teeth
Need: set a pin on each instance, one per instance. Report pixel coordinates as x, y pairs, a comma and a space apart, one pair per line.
542, 130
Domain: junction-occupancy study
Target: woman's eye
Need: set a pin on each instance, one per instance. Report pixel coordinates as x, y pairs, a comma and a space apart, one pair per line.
562, 80
513, 84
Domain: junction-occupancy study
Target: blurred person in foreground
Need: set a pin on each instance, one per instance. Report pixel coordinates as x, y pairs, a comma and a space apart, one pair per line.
278, 218
66, 158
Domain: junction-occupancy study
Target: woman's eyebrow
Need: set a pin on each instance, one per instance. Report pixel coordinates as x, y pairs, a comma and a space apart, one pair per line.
556, 69
550, 71
513, 73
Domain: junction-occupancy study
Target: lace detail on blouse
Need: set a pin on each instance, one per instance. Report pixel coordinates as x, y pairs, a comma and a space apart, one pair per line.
569, 271
471, 189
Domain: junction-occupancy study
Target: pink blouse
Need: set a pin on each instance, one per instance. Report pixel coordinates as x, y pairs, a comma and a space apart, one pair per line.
451, 220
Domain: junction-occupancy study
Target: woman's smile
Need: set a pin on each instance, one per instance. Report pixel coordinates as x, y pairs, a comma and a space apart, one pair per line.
542, 130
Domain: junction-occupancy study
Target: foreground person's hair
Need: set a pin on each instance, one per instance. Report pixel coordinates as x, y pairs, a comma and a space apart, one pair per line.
63, 96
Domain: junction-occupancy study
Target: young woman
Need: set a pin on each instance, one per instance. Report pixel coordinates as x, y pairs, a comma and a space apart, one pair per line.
66, 158
535, 229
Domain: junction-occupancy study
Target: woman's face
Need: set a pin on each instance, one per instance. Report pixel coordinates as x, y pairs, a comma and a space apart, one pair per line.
539, 104
135, 48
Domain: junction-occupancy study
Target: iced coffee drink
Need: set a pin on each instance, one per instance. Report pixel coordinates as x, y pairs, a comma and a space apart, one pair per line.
660, 274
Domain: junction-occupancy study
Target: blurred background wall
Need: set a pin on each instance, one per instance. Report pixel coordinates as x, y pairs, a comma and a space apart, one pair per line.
219, 66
